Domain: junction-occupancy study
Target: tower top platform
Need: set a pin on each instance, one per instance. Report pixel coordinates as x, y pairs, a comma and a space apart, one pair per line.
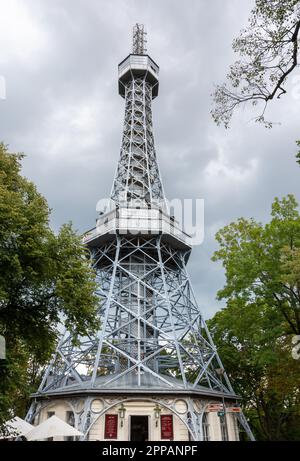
137, 65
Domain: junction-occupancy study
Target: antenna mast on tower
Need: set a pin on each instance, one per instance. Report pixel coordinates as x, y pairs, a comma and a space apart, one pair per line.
139, 39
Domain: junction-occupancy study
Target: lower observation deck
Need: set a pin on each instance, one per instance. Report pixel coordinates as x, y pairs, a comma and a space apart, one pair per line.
146, 222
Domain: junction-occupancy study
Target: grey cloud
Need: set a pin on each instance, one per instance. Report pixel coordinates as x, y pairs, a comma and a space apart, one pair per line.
60, 60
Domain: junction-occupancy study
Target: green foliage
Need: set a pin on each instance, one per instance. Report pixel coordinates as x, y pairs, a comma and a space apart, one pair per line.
256, 354
258, 260
268, 49
254, 331
43, 278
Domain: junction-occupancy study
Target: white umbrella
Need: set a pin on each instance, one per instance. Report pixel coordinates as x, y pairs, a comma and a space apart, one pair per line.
52, 427
17, 427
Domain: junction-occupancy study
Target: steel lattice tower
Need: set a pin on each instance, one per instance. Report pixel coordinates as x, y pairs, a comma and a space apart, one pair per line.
153, 339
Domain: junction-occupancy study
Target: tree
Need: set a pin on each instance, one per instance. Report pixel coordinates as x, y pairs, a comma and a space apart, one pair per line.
260, 261
256, 354
254, 332
269, 53
44, 279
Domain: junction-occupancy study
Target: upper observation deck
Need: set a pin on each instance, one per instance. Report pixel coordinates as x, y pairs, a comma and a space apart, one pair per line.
136, 65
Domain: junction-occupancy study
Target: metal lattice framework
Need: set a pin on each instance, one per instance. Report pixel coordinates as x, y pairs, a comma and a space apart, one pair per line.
153, 336
152, 330
137, 176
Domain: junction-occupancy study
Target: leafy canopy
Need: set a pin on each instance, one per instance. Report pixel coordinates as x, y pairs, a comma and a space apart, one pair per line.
256, 354
268, 52
254, 332
262, 262
44, 278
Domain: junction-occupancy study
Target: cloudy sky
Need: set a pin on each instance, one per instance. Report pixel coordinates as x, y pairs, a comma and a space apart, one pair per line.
59, 61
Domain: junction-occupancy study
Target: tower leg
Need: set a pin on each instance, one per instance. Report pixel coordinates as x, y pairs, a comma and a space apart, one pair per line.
244, 423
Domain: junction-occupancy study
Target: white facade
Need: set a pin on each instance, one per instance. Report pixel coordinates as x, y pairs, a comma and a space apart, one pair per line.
100, 407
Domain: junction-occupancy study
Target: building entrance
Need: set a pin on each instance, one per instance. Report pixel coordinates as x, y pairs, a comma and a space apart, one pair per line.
139, 428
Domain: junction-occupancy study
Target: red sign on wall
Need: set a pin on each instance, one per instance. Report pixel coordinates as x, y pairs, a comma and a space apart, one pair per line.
166, 427
215, 407
233, 410
111, 427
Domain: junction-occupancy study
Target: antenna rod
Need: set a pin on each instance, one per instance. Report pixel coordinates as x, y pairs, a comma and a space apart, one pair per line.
139, 39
